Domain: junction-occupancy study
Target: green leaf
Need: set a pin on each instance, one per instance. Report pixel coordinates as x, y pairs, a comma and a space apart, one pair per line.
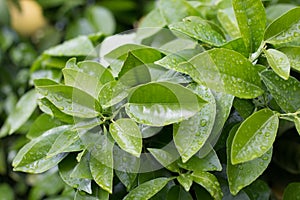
258, 190
227, 19
148, 189
226, 71
209, 182
237, 45
297, 124
101, 163
127, 135
191, 134
292, 191
82, 168
274, 11
285, 92
176, 10
199, 29
32, 157
178, 193
162, 103
243, 174
251, 19
186, 180
293, 55
98, 194
7, 192
254, 137
71, 101
279, 62
80, 46
284, 31
21, 113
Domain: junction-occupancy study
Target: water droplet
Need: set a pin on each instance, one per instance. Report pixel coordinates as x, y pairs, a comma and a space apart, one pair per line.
241, 167
263, 148
267, 134
203, 122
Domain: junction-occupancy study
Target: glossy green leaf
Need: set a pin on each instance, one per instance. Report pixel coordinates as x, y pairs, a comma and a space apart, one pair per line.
292, 191
71, 101
80, 46
165, 158
127, 135
178, 193
226, 71
101, 163
199, 29
251, 19
147, 190
279, 62
293, 55
21, 113
162, 103
52, 74
209, 182
98, 194
258, 190
82, 169
228, 21
186, 180
176, 10
33, 158
254, 137
276, 10
190, 135
244, 107
297, 124
285, 92
284, 31
243, 174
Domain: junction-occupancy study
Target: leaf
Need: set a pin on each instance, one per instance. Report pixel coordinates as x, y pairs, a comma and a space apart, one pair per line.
82, 168
258, 190
127, 135
284, 31
279, 62
147, 190
101, 163
297, 124
244, 107
98, 194
228, 21
80, 46
292, 191
186, 180
71, 101
165, 158
176, 10
162, 103
199, 29
293, 55
276, 10
254, 137
237, 45
32, 157
243, 174
251, 19
21, 113
226, 71
177, 192
209, 182
191, 134
285, 92
7, 192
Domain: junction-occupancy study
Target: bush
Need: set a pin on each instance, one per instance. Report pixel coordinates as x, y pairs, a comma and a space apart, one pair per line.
201, 101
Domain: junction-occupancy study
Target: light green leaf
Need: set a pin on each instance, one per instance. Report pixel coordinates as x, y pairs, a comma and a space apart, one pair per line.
227, 19
6, 191
254, 137
71, 101
279, 62
148, 189
127, 135
178, 193
101, 163
209, 182
284, 31
292, 191
243, 174
285, 92
226, 71
276, 10
297, 124
186, 180
191, 134
162, 103
21, 113
251, 19
199, 29
165, 158
80, 46
82, 168
293, 54
33, 158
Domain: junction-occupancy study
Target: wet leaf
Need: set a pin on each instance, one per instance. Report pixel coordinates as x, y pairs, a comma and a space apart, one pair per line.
199, 29
297, 124
227, 19
127, 135
254, 137
147, 190
251, 19
279, 62
186, 180
209, 182
276, 10
258, 190
98, 194
293, 55
244, 107
285, 92
243, 174
165, 158
162, 103
82, 168
178, 193
237, 45
292, 191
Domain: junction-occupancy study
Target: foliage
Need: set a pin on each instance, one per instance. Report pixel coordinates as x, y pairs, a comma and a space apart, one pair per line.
195, 104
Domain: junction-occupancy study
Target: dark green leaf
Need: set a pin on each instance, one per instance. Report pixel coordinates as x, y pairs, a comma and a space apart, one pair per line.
293, 55
82, 169
178, 193
254, 137
258, 190
292, 191
7, 192
244, 107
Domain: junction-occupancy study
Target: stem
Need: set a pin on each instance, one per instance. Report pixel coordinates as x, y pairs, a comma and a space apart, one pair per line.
256, 54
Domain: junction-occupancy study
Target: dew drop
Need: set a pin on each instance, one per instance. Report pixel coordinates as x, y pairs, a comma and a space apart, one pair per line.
203, 122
